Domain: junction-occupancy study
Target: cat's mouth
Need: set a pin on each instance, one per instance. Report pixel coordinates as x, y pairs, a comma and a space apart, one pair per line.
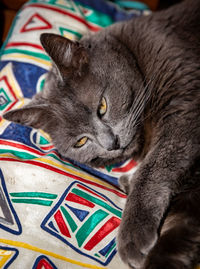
99, 162
96, 162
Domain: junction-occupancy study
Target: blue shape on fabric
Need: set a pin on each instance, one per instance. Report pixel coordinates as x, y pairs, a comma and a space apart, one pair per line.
27, 76
17, 229
110, 9
105, 250
51, 225
79, 213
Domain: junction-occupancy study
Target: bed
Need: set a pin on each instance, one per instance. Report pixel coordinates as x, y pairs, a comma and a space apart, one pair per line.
54, 212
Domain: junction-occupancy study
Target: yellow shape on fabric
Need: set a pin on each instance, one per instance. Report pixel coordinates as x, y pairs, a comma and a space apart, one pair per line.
27, 57
49, 253
5, 255
46, 136
70, 36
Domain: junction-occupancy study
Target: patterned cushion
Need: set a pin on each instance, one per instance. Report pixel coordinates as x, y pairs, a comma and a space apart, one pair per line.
54, 213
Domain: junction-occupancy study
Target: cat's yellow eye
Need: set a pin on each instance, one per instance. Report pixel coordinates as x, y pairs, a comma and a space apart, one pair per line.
102, 107
81, 142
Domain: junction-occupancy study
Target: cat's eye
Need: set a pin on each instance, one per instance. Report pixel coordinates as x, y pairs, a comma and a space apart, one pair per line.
81, 142
102, 107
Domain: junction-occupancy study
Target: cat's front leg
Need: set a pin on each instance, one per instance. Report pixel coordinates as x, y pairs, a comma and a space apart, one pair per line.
141, 218
158, 178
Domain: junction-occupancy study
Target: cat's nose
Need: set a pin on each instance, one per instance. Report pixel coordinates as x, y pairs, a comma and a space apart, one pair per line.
115, 144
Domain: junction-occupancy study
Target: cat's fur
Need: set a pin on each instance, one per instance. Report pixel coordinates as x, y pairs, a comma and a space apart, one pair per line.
148, 69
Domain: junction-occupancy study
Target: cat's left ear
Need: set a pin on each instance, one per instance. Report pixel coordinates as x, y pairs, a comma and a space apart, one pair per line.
69, 57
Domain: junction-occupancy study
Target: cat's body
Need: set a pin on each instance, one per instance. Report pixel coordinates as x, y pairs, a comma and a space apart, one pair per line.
133, 90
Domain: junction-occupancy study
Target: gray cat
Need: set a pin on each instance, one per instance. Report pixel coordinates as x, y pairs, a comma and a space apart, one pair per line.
133, 90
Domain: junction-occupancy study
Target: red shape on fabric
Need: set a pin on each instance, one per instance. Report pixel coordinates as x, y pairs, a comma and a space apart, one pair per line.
94, 193
107, 228
27, 148
21, 146
47, 147
44, 264
125, 168
7, 83
11, 91
17, 44
61, 224
79, 200
46, 24
24, 147
67, 13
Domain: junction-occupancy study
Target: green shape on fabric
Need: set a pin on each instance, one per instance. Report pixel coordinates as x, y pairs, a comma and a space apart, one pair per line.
32, 201
63, 30
69, 219
89, 225
63, 4
43, 141
19, 154
94, 16
4, 95
42, 85
131, 4
109, 167
34, 194
30, 53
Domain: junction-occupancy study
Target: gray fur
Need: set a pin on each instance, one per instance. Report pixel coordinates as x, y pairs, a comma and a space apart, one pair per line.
148, 69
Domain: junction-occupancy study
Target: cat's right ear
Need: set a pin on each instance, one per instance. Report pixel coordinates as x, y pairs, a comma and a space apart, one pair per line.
36, 114
69, 57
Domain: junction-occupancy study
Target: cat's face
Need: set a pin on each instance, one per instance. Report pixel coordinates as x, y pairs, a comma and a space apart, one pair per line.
89, 99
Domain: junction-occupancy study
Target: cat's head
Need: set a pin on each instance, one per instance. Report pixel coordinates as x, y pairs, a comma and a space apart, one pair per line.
87, 105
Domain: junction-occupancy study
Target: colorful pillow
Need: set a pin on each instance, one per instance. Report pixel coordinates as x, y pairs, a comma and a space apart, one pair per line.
54, 213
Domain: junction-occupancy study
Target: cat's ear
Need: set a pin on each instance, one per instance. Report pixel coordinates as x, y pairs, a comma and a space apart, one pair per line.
33, 115
70, 57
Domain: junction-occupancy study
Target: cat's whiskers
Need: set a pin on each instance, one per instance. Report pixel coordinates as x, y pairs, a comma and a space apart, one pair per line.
138, 107
143, 93
152, 87
139, 98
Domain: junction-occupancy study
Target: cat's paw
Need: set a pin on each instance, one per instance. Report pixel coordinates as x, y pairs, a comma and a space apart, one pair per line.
136, 237
130, 255
133, 250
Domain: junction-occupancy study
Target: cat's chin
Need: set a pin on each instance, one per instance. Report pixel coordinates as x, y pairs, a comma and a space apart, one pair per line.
109, 159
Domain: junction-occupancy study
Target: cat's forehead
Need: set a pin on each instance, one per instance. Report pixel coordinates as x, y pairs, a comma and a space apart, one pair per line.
87, 91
